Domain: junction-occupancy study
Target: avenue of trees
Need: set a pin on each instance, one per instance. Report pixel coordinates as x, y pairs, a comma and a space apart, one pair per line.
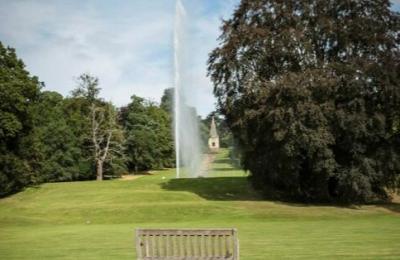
311, 92
45, 137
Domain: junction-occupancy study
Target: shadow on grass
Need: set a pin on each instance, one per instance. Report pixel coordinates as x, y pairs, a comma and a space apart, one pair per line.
234, 189
392, 206
239, 189
295, 202
226, 161
223, 169
216, 188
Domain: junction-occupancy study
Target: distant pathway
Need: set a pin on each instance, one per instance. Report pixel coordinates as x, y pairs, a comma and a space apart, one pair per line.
130, 177
208, 159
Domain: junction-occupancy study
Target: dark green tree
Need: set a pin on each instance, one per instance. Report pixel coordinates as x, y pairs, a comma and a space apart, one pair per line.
77, 116
167, 100
148, 135
60, 153
18, 93
310, 90
88, 88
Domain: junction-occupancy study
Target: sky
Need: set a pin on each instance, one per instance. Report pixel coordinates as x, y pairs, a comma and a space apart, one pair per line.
127, 44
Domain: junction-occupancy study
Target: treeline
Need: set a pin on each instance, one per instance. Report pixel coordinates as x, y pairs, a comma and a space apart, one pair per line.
45, 137
311, 92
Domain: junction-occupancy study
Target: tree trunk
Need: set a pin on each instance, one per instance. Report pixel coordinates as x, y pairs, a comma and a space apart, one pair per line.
99, 170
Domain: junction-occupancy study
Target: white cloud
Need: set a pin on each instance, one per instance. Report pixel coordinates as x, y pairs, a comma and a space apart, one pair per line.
127, 44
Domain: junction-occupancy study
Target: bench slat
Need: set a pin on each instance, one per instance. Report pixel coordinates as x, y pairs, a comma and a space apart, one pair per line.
208, 232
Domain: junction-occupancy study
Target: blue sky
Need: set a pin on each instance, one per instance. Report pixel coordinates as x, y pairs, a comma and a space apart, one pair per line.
126, 43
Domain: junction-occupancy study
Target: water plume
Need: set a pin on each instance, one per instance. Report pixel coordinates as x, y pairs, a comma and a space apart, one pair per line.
187, 138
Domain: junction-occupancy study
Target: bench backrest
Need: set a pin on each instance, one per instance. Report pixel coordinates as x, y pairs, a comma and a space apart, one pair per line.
187, 244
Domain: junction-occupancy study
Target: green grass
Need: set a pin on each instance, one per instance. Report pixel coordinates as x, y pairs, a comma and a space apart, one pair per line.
96, 220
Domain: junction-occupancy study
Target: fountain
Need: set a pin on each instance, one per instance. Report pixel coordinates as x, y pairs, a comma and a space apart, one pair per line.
187, 138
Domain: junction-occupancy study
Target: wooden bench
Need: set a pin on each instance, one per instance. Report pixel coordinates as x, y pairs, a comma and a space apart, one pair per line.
185, 244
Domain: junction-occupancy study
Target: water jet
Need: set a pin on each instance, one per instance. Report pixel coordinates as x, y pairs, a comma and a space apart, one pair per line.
186, 129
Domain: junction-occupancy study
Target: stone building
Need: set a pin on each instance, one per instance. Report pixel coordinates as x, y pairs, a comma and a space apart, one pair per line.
213, 140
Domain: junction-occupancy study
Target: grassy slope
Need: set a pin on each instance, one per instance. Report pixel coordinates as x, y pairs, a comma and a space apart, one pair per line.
91, 220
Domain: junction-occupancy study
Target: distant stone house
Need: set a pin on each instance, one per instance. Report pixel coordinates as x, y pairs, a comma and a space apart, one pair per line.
213, 140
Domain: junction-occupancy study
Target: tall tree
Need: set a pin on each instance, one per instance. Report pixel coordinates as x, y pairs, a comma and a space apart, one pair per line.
76, 112
148, 135
311, 91
105, 134
18, 93
88, 88
59, 149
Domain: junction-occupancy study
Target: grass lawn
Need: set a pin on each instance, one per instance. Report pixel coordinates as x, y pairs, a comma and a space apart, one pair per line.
96, 220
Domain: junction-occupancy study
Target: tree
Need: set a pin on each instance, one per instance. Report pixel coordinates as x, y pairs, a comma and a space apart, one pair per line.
148, 135
167, 100
105, 133
106, 136
88, 88
76, 112
310, 90
18, 93
58, 148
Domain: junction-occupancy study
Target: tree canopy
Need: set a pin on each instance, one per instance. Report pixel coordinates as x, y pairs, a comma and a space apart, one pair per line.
311, 92
19, 91
148, 134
